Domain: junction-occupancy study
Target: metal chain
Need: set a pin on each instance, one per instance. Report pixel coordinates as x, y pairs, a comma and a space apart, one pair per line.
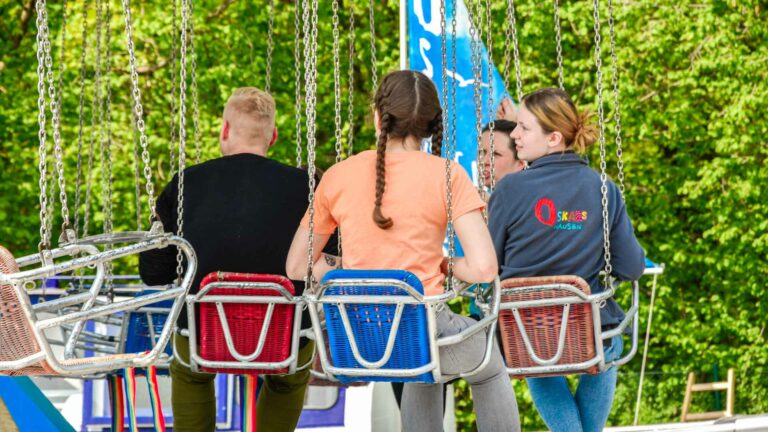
351, 78
174, 85
477, 80
297, 79
139, 111
558, 39
616, 104
136, 169
491, 111
270, 31
337, 95
182, 135
310, 71
44, 232
96, 109
601, 120
451, 152
59, 86
81, 115
507, 46
58, 152
448, 159
515, 49
107, 149
372, 23
195, 99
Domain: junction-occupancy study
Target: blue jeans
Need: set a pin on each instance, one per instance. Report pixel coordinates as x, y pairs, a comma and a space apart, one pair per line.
588, 409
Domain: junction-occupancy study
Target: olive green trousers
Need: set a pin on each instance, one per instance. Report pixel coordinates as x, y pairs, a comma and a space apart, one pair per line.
193, 397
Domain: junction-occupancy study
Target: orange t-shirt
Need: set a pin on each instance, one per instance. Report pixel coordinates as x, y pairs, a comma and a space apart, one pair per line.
414, 197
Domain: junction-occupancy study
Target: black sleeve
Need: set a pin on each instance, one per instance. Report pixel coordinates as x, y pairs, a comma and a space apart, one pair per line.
497, 225
158, 266
627, 256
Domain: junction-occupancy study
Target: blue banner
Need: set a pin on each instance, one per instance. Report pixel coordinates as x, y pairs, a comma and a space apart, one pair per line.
424, 54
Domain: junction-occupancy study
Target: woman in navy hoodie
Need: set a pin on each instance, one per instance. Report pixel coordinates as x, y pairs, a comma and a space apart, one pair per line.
547, 220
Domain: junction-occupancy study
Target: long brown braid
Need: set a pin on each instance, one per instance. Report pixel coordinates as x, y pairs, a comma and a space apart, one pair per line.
408, 105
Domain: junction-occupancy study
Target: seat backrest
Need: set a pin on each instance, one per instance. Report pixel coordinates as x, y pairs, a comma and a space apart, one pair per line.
245, 322
372, 323
17, 340
543, 324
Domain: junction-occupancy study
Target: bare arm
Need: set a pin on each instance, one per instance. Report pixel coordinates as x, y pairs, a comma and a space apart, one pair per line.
296, 264
479, 263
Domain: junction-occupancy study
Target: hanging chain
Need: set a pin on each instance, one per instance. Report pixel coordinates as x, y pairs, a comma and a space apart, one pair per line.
351, 78
81, 115
451, 151
372, 23
56, 120
601, 119
616, 105
444, 75
515, 48
491, 111
310, 74
477, 80
139, 111
297, 79
185, 12
507, 45
337, 82
107, 150
448, 154
270, 31
96, 108
174, 85
559, 45
45, 242
195, 102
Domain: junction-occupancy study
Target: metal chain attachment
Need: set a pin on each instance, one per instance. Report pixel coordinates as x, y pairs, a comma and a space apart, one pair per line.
297, 78
601, 120
616, 104
45, 242
559, 47
139, 111
451, 151
310, 77
351, 78
270, 31
337, 82
515, 48
185, 14
491, 111
193, 63
372, 23
174, 85
477, 80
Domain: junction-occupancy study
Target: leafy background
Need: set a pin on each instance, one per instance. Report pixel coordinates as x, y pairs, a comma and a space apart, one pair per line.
693, 84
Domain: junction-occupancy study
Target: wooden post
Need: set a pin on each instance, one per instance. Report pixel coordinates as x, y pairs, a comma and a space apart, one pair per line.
687, 398
730, 394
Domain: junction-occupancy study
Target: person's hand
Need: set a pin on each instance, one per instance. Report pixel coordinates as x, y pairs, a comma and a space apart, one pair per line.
506, 110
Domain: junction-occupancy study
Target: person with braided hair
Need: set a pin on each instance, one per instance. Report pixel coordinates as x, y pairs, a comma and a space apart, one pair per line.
390, 206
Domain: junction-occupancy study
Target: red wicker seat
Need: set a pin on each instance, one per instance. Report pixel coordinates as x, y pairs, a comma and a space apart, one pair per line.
246, 324
543, 324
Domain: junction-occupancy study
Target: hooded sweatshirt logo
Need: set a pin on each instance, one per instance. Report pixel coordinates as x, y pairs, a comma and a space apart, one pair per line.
547, 213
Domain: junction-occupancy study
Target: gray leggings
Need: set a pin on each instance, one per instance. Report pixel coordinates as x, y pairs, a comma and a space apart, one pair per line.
494, 398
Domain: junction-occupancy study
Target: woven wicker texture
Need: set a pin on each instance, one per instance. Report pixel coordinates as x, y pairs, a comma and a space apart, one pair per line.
17, 340
245, 323
543, 324
372, 324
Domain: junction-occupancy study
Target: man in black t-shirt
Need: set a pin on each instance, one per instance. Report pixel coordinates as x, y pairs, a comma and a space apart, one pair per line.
240, 214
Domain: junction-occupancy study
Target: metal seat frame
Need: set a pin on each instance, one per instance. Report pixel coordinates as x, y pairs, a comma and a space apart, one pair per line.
69, 364
432, 305
577, 297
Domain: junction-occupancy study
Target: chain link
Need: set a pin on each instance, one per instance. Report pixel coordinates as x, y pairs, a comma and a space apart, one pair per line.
507, 47
491, 111
174, 85
270, 31
81, 115
185, 15
559, 45
616, 104
106, 145
42, 183
451, 152
477, 80
374, 74
601, 120
297, 79
337, 95
515, 49
446, 136
139, 110
351, 78
310, 70
195, 99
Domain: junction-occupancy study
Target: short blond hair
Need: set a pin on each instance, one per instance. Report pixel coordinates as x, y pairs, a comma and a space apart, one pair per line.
251, 113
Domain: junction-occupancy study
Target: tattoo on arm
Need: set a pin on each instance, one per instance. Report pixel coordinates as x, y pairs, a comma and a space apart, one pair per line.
330, 260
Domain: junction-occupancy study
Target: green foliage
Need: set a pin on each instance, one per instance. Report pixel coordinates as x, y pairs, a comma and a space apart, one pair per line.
693, 84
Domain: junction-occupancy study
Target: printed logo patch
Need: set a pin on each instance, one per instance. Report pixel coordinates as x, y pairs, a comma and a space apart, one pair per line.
570, 220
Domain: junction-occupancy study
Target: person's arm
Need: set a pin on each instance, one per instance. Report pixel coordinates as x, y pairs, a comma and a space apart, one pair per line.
479, 263
627, 256
296, 264
158, 266
497, 226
